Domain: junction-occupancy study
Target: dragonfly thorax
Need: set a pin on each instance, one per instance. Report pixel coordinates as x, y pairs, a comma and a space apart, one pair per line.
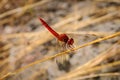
63, 38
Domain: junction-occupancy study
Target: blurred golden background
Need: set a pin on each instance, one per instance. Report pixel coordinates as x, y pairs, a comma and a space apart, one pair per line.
27, 49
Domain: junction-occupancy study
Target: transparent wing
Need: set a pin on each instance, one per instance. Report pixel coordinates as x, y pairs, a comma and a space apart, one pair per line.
63, 61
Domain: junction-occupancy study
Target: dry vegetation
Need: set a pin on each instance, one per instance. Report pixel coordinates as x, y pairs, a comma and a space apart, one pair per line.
27, 50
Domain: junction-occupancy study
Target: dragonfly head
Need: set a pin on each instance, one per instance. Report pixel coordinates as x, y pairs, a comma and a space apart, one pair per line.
70, 41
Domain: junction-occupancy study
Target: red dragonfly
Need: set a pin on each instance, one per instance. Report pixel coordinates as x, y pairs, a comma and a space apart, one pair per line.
65, 42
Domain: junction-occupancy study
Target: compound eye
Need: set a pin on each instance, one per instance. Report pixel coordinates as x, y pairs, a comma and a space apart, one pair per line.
70, 41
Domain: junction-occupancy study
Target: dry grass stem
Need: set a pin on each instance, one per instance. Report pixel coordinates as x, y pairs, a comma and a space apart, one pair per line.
23, 8
102, 34
97, 75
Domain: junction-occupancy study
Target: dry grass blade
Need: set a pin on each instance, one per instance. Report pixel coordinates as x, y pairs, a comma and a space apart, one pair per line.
65, 52
98, 40
117, 1
4, 76
86, 71
102, 34
97, 75
20, 35
97, 20
22, 8
2, 3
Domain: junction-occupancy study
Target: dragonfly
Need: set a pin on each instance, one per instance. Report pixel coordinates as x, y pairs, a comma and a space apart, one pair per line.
65, 42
